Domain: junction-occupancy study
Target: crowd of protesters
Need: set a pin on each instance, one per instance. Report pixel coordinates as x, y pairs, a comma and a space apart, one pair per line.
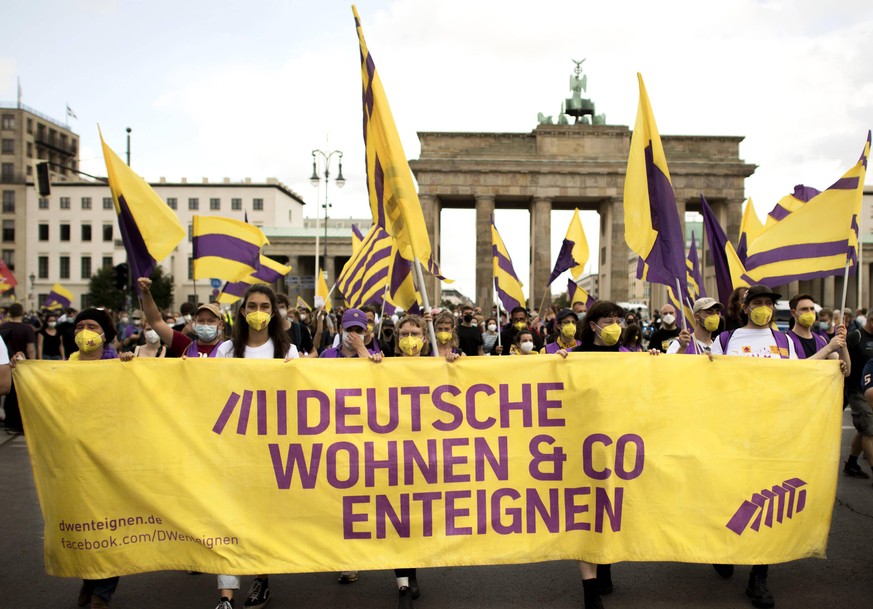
266, 325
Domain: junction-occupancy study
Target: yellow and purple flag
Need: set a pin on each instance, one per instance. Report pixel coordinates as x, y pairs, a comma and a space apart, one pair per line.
59, 298
574, 250
506, 282
357, 238
7, 279
364, 277
270, 271
816, 240
651, 219
393, 198
576, 293
302, 303
750, 228
225, 248
695, 285
729, 271
149, 229
322, 294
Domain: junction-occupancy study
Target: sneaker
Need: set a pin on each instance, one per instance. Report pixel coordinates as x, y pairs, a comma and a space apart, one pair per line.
225, 604
604, 580
854, 471
348, 577
259, 594
413, 587
758, 592
724, 571
404, 598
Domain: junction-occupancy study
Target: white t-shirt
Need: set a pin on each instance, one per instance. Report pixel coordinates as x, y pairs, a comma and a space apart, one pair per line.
4, 353
753, 342
265, 351
701, 346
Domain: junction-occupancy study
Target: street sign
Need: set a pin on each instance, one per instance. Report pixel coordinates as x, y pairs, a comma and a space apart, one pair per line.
215, 283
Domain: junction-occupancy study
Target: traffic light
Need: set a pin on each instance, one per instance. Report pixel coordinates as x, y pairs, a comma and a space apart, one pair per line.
122, 275
43, 184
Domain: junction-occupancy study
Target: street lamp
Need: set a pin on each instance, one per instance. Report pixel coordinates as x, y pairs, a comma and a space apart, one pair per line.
315, 180
32, 278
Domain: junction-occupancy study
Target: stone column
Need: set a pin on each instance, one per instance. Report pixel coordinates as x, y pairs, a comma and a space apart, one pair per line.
615, 257
484, 264
830, 298
540, 251
431, 208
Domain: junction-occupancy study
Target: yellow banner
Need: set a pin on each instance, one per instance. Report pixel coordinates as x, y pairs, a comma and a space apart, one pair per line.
253, 466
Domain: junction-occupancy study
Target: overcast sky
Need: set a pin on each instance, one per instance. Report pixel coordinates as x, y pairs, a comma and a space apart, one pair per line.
227, 89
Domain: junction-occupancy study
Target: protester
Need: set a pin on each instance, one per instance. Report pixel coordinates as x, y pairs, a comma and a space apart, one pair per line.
706, 315
257, 334
490, 336
860, 344
207, 326
631, 339
524, 344
565, 335
825, 325
297, 332
387, 340
19, 338
48, 339
5, 369
663, 336
806, 342
152, 346
470, 340
733, 318
518, 321
447, 338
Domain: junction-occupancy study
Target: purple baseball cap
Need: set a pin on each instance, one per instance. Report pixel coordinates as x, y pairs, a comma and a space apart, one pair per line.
354, 318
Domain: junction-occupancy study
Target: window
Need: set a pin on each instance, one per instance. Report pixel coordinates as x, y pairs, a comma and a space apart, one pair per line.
258, 204
86, 267
30, 126
236, 204
7, 146
43, 232
29, 150
65, 267
107, 262
7, 121
107, 203
65, 232
9, 259
43, 203
7, 172
86, 204
43, 267
171, 202
8, 231
9, 201
86, 233
215, 204
107, 232
65, 202
193, 203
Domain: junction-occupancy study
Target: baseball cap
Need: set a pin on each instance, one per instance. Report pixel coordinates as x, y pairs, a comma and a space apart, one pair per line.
354, 318
702, 304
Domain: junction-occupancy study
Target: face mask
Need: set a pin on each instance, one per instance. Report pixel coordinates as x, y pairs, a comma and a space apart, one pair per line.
370, 327
668, 319
171, 322
519, 325
151, 336
492, 327
824, 325
761, 316
88, 341
137, 322
568, 330
258, 320
711, 323
206, 332
610, 334
526, 346
52, 324
806, 319
468, 318
444, 337
347, 340
410, 345
283, 313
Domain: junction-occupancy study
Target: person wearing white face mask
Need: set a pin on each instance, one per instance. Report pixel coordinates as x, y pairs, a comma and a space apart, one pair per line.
153, 346
48, 340
207, 325
524, 344
354, 327
663, 336
489, 336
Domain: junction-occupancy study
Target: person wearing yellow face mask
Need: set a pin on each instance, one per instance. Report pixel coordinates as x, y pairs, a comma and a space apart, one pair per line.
447, 339
806, 342
707, 314
518, 321
565, 337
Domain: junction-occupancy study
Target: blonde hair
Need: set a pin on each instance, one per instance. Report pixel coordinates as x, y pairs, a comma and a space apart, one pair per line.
415, 320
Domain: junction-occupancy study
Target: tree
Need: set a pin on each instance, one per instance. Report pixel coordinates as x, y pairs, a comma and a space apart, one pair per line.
103, 293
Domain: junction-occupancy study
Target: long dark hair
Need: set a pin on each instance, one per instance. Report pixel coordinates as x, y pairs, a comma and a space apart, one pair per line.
600, 309
240, 336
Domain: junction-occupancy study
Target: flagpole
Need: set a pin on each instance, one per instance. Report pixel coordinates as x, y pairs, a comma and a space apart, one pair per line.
845, 291
542, 302
425, 303
679, 296
382, 312
693, 340
499, 329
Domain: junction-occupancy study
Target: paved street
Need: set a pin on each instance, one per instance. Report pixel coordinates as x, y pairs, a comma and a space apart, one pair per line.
843, 581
